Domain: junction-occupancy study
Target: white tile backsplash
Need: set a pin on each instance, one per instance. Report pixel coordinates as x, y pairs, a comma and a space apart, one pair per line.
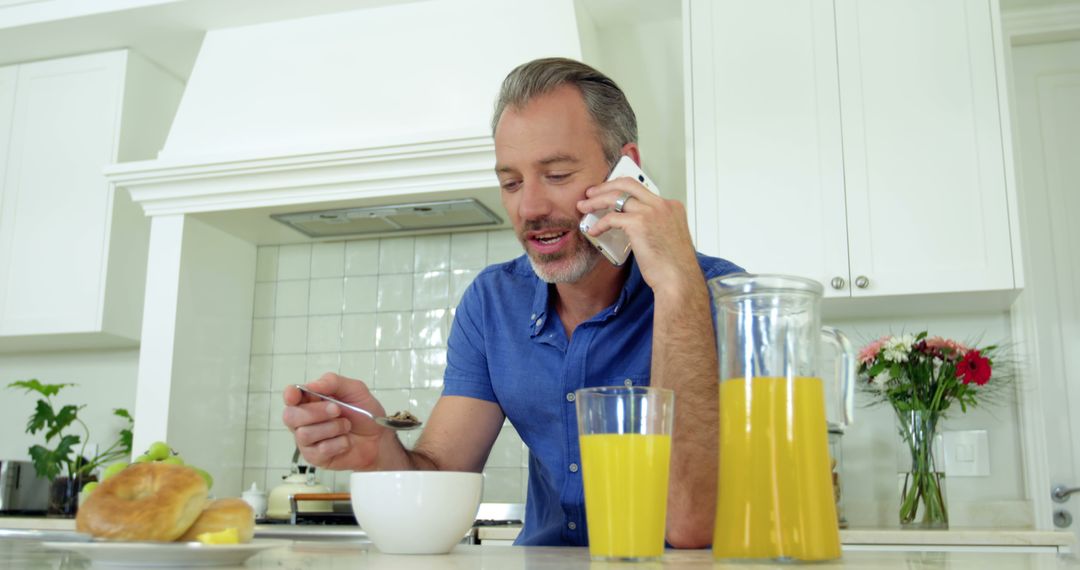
324, 333
393, 331
430, 328
318, 364
362, 257
432, 253
288, 369
294, 262
503, 246
358, 332
359, 365
290, 335
361, 294
396, 255
291, 299
378, 310
431, 290
395, 293
468, 251
392, 369
328, 260
326, 296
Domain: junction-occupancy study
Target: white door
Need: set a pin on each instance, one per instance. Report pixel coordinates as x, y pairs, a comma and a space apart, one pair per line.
1046, 78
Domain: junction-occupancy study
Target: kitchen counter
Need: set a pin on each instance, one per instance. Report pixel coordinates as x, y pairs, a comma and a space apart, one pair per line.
1001, 540
300, 555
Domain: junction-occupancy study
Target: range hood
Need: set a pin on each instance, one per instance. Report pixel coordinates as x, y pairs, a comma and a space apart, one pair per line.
447, 214
382, 107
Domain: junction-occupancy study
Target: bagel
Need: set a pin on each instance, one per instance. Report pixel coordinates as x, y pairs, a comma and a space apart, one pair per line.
145, 501
223, 514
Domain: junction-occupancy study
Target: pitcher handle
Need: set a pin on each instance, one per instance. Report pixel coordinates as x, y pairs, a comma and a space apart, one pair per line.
847, 372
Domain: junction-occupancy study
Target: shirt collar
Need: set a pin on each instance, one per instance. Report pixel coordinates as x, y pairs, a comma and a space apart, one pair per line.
542, 297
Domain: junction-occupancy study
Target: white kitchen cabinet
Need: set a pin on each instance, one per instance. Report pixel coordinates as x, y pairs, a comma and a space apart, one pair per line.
73, 251
856, 143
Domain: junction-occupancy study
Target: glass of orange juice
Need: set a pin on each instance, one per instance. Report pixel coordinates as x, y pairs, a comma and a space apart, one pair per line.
625, 438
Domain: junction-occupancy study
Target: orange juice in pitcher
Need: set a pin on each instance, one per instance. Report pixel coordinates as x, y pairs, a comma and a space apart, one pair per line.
775, 495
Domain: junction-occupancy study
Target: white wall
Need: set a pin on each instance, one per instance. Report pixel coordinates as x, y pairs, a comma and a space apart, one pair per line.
105, 380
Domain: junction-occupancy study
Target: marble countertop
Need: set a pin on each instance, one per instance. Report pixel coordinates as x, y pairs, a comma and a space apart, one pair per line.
302, 555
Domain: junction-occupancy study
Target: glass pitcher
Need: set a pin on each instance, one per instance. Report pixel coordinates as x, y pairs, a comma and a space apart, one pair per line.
775, 496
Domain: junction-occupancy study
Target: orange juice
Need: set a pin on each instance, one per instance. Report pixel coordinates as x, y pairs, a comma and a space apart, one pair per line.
775, 496
626, 485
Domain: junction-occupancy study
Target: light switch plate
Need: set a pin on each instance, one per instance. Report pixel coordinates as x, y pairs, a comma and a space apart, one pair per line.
967, 453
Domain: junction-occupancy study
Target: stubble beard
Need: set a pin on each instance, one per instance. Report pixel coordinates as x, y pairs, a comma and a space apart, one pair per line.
564, 266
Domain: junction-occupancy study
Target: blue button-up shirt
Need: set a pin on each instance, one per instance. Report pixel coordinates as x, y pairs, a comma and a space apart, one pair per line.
508, 346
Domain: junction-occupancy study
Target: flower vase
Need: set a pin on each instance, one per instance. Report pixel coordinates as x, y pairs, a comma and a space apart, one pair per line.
64, 495
922, 498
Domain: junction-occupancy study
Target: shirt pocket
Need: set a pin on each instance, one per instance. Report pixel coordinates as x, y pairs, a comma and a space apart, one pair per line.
636, 378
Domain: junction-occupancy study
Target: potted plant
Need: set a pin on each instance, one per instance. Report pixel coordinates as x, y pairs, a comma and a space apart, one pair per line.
64, 463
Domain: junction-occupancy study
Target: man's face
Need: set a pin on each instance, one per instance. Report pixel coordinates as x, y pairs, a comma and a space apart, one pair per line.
547, 154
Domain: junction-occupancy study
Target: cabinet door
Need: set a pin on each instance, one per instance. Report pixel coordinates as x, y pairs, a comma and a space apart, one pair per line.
54, 218
7, 107
924, 171
766, 172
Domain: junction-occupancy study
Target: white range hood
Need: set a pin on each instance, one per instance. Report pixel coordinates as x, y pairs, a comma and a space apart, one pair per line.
371, 107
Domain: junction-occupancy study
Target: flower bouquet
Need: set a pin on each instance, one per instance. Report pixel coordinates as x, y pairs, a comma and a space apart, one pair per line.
922, 377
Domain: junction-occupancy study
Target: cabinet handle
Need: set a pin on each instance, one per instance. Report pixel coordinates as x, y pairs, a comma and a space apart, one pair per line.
862, 282
838, 283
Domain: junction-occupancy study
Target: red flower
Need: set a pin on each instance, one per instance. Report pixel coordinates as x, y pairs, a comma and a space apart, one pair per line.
973, 368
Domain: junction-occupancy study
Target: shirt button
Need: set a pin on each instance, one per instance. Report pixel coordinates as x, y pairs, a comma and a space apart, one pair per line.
570, 397
571, 525
532, 316
540, 321
628, 382
573, 467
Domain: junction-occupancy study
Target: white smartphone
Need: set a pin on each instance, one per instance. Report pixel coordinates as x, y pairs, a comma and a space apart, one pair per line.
614, 243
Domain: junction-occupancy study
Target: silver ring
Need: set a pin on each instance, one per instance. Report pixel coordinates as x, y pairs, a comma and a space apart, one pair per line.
620, 203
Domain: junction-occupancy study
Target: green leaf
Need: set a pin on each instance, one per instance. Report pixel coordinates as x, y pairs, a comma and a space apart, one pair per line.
68, 414
33, 385
42, 417
122, 413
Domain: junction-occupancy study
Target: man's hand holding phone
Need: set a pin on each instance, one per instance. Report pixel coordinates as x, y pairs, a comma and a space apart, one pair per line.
613, 242
655, 228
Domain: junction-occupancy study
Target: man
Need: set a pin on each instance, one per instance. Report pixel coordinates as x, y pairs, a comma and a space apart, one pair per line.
531, 331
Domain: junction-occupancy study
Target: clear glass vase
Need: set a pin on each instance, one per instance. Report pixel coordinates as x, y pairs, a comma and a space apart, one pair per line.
922, 498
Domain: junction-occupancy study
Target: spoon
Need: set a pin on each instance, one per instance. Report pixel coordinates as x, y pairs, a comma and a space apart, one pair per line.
401, 424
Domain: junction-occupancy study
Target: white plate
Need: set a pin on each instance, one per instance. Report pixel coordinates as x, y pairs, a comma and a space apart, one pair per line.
165, 554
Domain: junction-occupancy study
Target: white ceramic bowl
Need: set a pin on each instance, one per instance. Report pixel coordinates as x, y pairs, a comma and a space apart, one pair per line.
415, 512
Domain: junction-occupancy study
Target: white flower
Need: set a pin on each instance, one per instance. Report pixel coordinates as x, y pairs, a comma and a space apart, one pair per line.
881, 380
898, 347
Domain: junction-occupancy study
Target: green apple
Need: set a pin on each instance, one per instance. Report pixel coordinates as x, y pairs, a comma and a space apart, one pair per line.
206, 477
159, 450
112, 470
173, 460
143, 459
87, 488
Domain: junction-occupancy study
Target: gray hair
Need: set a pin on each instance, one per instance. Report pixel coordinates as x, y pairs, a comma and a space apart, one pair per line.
615, 122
